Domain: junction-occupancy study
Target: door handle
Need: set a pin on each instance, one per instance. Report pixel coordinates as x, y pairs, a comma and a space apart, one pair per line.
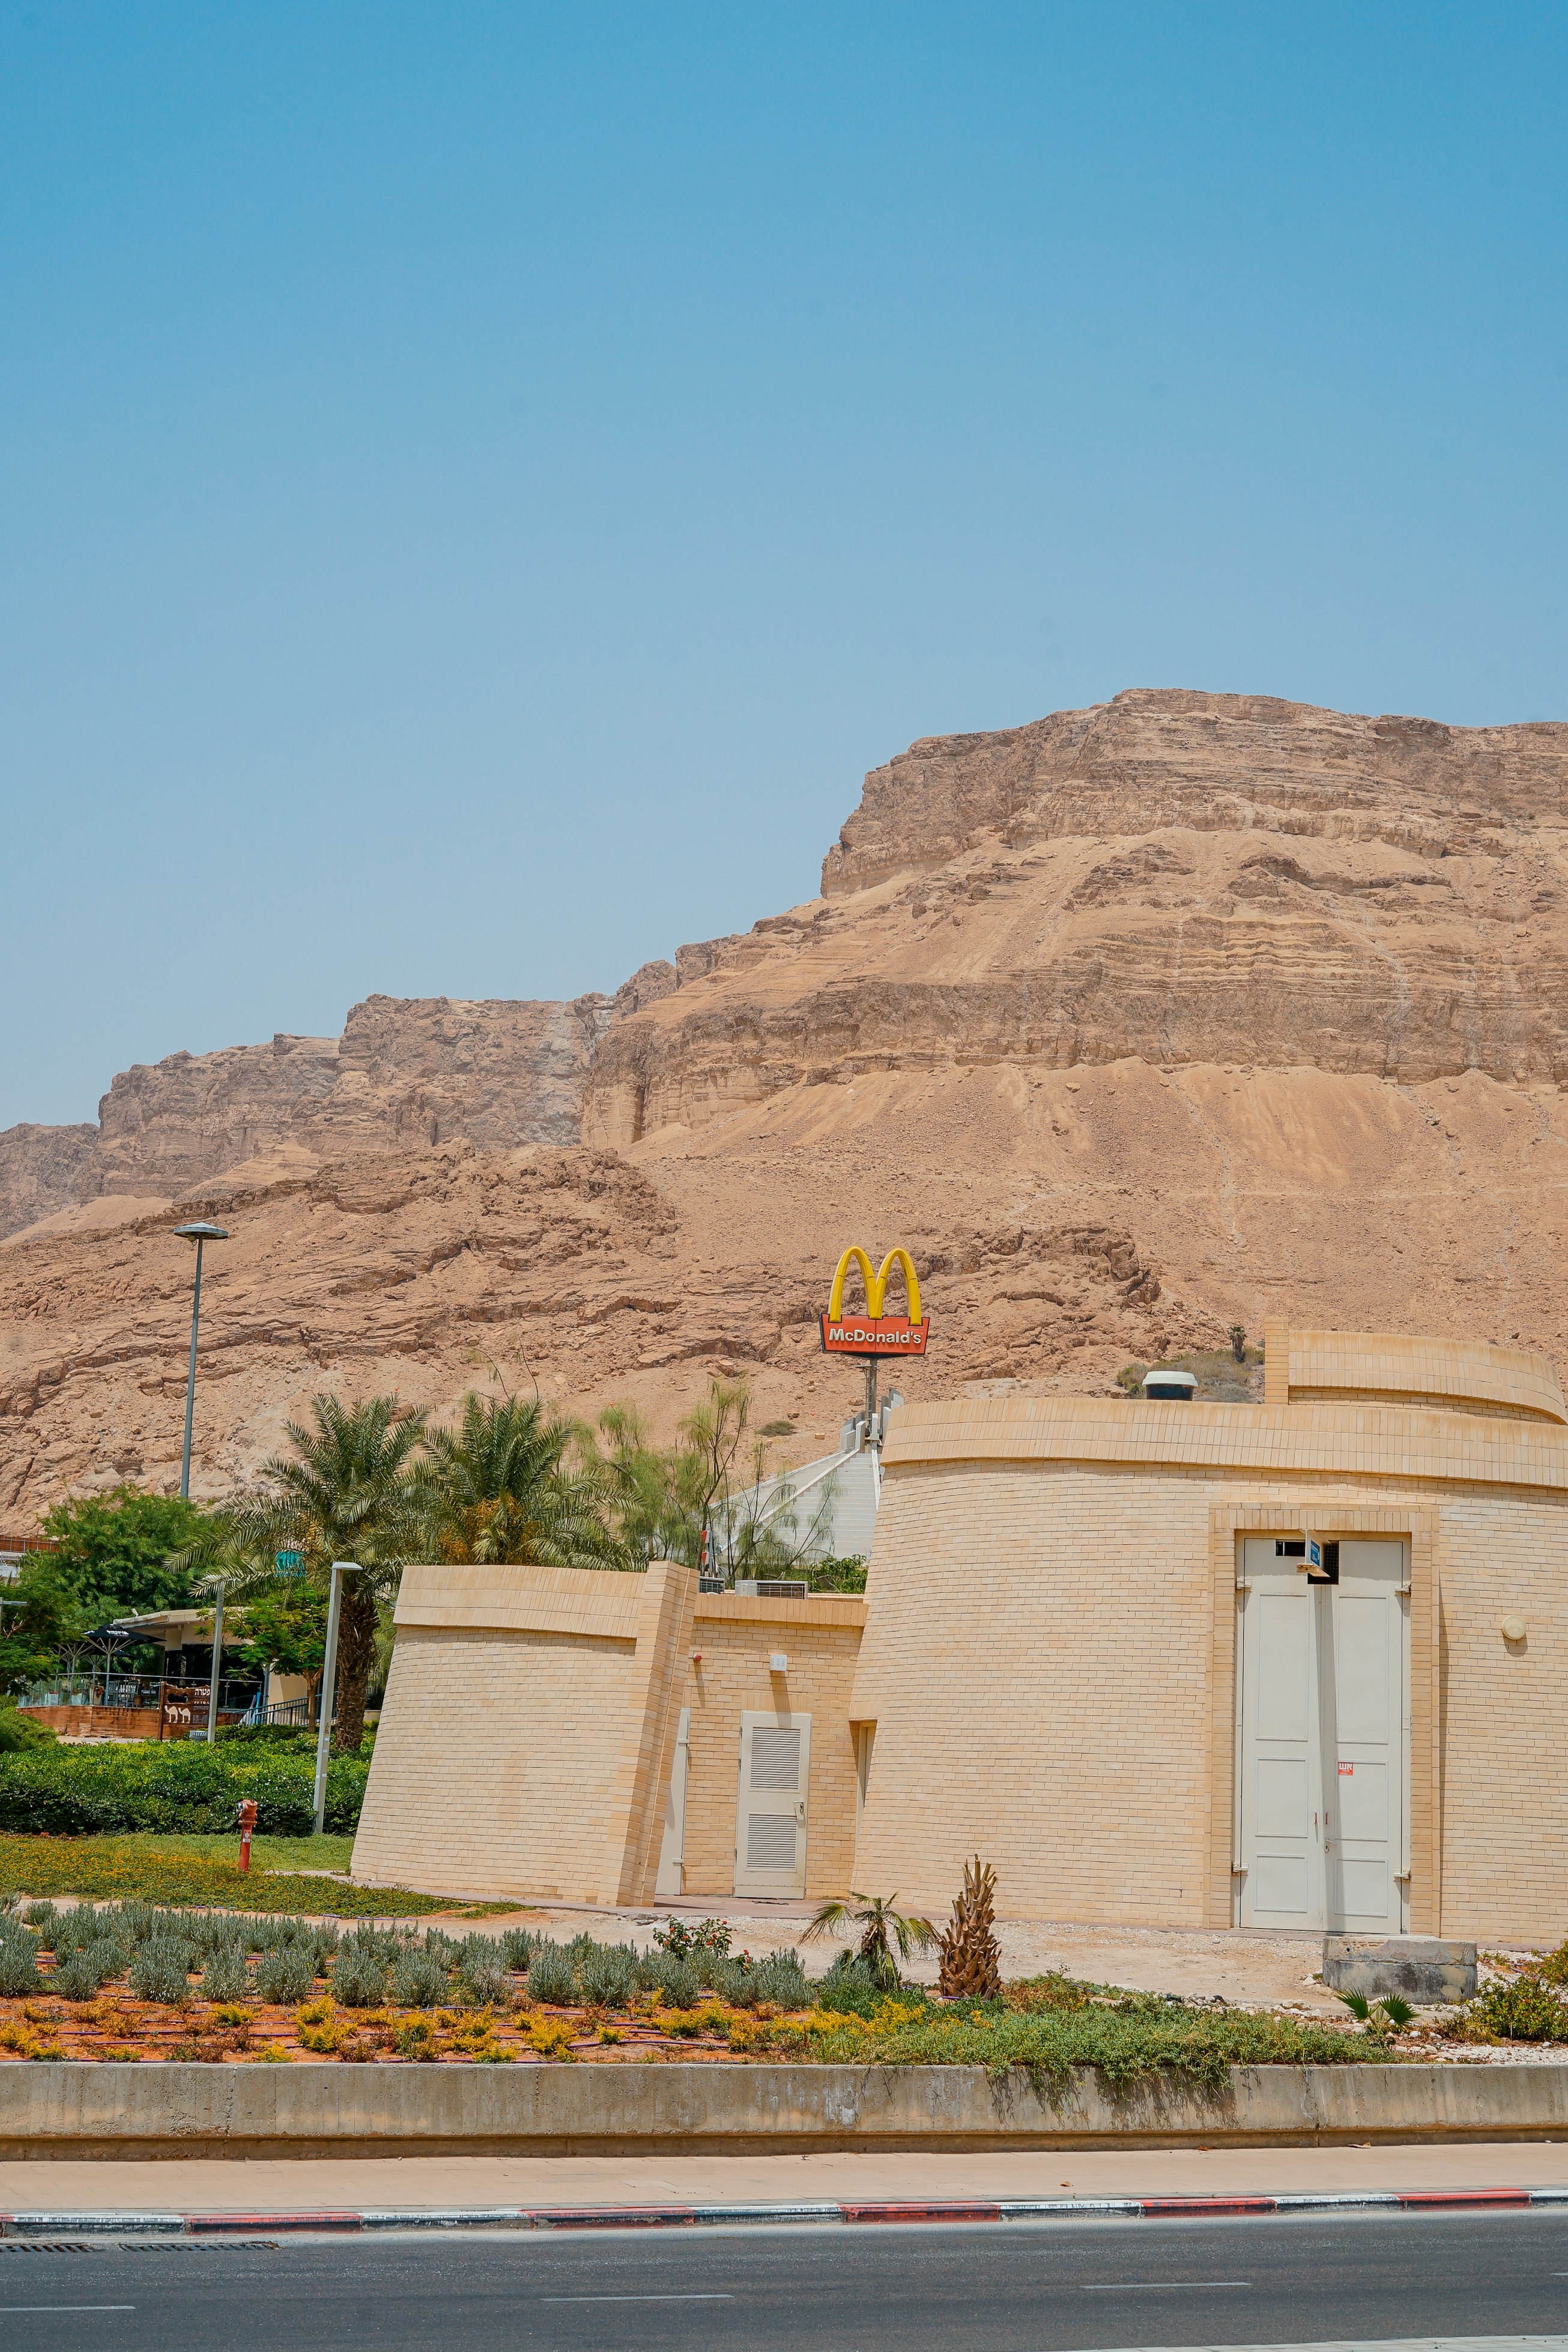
801, 1810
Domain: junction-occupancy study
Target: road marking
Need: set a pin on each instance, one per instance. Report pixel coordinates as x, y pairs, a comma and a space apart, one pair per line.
1154, 2286
16, 2310
633, 2298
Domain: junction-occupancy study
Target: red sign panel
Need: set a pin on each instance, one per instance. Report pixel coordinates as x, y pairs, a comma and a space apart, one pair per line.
874, 1335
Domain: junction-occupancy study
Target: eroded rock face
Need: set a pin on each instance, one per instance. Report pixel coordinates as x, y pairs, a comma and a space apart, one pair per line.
406, 1072
1132, 1024
1182, 879
1150, 761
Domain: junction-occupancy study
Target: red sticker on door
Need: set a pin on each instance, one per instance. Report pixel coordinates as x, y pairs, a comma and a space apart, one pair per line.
1344, 1769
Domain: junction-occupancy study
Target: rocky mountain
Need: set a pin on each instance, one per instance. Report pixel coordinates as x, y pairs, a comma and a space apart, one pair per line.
1133, 1022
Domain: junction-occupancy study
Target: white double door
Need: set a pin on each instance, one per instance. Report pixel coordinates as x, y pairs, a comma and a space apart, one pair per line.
1324, 1764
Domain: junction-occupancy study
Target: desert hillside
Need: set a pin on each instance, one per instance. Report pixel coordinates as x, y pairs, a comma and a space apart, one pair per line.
1133, 1023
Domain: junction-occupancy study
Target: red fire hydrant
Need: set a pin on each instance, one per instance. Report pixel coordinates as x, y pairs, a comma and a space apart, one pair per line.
247, 1823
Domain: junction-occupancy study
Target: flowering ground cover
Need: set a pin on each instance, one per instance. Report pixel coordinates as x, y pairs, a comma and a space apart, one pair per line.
129, 1868
134, 1982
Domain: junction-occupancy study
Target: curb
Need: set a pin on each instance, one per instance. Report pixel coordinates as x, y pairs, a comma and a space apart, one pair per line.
337, 2220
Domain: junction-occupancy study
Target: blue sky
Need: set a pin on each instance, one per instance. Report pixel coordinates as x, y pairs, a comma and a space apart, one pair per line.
478, 485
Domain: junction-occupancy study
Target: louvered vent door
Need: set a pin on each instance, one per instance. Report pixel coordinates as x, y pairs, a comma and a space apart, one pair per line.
770, 1812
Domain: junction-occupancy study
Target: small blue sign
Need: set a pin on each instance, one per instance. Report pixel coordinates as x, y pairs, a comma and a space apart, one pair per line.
290, 1563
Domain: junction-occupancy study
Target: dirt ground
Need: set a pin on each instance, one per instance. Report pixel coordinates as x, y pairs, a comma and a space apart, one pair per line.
1247, 1967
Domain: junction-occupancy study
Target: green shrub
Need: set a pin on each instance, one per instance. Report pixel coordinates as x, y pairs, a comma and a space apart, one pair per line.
359, 1977
780, 1978
161, 1970
608, 1975
710, 1940
674, 1978
294, 1739
287, 1973
419, 1979
552, 1976
216, 1931
519, 1948
18, 1966
76, 1930
42, 1915
78, 1976
849, 1987
22, 1735
226, 1975
110, 1955
181, 1785
482, 1968
1525, 2010
136, 1920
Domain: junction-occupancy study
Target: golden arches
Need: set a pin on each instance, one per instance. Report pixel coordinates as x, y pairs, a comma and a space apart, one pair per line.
875, 1284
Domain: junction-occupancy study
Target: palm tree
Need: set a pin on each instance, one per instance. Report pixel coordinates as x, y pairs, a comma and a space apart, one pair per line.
351, 1491
881, 1926
499, 1489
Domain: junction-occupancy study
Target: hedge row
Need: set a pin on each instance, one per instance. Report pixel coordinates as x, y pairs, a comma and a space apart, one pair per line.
174, 1785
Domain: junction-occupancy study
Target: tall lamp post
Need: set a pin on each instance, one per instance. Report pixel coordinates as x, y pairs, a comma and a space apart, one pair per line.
217, 1667
198, 1232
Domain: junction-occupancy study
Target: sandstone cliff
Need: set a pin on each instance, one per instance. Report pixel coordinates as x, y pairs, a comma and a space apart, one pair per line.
403, 1073
1133, 1023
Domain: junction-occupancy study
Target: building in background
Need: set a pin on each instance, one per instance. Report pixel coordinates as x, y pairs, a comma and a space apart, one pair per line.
1296, 1664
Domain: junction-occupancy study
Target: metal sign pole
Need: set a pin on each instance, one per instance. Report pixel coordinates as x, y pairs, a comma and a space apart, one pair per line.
328, 1687
217, 1668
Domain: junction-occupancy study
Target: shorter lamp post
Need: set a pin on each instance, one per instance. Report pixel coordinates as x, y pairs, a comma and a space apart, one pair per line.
198, 1232
341, 1568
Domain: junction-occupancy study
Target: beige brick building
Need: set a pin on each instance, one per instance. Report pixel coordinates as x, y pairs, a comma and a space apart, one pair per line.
1296, 1664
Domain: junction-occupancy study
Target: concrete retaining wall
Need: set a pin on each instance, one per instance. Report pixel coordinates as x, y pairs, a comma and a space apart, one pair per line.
74, 2110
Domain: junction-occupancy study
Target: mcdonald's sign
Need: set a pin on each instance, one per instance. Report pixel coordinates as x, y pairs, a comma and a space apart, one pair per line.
874, 1333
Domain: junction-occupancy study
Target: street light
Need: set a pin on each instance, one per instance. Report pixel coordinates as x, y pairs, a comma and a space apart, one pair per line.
198, 1232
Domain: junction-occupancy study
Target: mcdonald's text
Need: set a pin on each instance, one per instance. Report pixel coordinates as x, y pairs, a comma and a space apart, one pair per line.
874, 1335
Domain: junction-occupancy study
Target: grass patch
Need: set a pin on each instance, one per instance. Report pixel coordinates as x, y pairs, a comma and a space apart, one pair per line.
328, 1852
123, 1868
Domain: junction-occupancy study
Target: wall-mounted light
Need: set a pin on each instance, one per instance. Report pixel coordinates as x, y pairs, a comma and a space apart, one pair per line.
778, 1663
1513, 1629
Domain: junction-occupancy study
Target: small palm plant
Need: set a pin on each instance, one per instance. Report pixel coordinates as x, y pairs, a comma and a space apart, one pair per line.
881, 1926
1384, 2016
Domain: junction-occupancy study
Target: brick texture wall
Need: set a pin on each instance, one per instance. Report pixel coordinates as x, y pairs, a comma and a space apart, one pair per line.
1036, 1662
736, 1634
490, 1770
529, 1730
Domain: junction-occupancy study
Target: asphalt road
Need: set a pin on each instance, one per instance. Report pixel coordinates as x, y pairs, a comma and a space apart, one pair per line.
995, 2287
